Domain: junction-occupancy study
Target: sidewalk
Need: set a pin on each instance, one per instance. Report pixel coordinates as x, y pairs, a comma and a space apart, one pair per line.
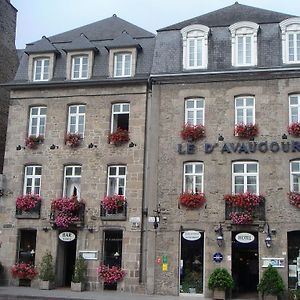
22, 293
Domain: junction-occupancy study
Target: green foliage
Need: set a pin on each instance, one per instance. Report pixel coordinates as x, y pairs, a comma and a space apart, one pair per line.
220, 279
79, 270
271, 282
46, 268
192, 279
294, 294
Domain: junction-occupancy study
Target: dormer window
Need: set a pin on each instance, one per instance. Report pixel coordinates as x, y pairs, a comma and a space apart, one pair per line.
41, 69
290, 29
244, 43
80, 67
195, 38
122, 64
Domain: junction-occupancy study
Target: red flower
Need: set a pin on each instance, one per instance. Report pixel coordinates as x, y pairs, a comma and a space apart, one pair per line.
119, 137
27, 202
110, 274
111, 203
192, 200
73, 139
32, 141
247, 200
191, 132
23, 271
246, 130
294, 129
294, 199
241, 218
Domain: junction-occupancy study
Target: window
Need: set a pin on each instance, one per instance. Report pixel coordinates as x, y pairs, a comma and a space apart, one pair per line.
32, 180
122, 64
120, 116
290, 29
244, 110
294, 111
72, 176
80, 67
41, 69
193, 177
194, 111
295, 176
195, 39
245, 177
37, 122
244, 43
116, 184
76, 122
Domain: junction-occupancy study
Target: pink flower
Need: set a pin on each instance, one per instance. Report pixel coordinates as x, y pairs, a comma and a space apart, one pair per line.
32, 141
114, 202
23, 271
73, 139
241, 218
244, 200
28, 201
110, 274
118, 137
246, 130
294, 129
294, 199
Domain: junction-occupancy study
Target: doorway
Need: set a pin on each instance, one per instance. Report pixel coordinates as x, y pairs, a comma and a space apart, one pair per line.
191, 262
26, 246
66, 255
294, 259
245, 263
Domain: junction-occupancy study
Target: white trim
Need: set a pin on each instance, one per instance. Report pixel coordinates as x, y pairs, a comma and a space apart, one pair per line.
33, 178
81, 58
78, 186
123, 56
121, 112
244, 108
76, 115
43, 73
117, 177
194, 176
292, 106
291, 176
194, 110
39, 116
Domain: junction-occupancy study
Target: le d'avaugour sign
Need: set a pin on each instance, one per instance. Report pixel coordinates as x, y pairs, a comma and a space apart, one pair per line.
246, 148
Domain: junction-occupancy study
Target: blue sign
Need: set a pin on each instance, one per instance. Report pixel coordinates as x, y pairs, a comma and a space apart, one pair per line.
218, 257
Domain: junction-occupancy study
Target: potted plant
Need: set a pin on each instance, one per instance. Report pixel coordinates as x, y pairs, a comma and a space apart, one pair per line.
119, 137
219, 281
192, 133
24, 272
46, 273
271, 284
79, 274
73, 139
246, 130
32, 141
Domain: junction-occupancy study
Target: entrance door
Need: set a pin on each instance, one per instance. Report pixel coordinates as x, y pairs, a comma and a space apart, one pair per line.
245, 263
26, 247
191, 262
294, 259
66, 255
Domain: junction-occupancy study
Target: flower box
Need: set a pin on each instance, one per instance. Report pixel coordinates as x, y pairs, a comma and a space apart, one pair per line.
241, 218
73, 140
32, 141
294, 129
119, 137
23, 271
109, 274
113, 208
192, 133
28, 206
294, 199
246, 130
192, 200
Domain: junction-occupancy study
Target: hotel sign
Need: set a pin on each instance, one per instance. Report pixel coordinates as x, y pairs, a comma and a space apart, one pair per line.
67, 236
245, 237
246, 148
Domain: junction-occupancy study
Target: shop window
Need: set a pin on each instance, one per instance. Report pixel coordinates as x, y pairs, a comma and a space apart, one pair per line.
193, 177
76, 119
116, 184
194, 111
294, 109
120, 116
72, 178
32, 180
26, 246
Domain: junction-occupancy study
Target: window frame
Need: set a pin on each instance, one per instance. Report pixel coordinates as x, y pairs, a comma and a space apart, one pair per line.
72, 176
292, 106
118, 177
194, 175
244, 108
245, 175
194, 110
80, 57
76, 115
123, 68
39, 116
42, 59
113, 128
292, 174
33, 177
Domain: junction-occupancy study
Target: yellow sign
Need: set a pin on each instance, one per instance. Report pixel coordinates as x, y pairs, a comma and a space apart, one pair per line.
165, 267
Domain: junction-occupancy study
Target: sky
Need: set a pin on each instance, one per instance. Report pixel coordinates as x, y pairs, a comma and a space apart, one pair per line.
37, 18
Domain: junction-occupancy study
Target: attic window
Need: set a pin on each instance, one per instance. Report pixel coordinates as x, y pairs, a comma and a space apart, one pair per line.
80, 67
122, 64
41, 69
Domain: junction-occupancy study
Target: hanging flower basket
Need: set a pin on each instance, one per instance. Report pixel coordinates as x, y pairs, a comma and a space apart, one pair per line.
246, 200
32, 141
23, 271
241, 218
192, 200
294, 129
73, 139
246, 130
294, 199
192, 133
112, 203
28, 202
119, 137
110, 275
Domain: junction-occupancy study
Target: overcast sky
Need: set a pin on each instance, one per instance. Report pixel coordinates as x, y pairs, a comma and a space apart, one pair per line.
48, 17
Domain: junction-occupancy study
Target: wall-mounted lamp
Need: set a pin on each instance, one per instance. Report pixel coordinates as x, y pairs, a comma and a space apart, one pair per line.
45, 229
220, 237
90, 229
284, 136
156, 217
131, 144
220, 138
268, 239
91, 145
19, 147
52, 147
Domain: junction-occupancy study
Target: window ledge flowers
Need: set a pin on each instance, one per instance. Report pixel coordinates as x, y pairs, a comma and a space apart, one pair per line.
241, 218
28, 202
246, 130
23, 271
113, 203
119, 137
32, 141
73, 140
192, 133
294, 199
192, 200
110, 275
294, 129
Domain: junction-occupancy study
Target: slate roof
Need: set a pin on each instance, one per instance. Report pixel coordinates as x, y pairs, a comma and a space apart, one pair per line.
41, 46
80, 43
122, 41
231, 14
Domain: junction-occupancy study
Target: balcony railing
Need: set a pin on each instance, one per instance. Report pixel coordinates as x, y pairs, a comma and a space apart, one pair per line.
115, 214
79, 214
258, 212
33, 213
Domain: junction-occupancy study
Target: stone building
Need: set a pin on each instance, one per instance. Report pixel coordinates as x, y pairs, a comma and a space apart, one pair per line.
8, 65
235, 66
71, 92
